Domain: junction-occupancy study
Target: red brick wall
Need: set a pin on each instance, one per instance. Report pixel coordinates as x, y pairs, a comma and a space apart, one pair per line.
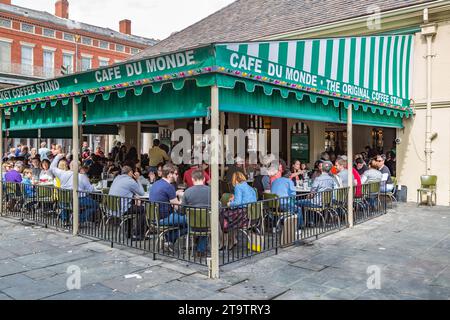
17, 36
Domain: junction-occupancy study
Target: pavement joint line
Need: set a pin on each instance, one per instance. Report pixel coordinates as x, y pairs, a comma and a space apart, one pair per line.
2, 292
234, 284
278, 295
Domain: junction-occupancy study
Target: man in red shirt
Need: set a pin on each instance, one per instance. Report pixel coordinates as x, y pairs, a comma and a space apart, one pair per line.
187, 178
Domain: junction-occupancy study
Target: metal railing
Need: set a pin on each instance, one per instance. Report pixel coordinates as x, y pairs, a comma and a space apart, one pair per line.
29, 70
183, 232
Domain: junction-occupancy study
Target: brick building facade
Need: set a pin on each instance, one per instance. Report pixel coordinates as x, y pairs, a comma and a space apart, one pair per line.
36, 44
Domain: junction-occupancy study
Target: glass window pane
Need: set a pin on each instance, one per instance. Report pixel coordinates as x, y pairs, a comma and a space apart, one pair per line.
5, 23
68, 62
5, 56
49, 33
104, 44
85, 63
27, 27
69, 37
48, 63
102, 63
120, 48
27, 60
86, 41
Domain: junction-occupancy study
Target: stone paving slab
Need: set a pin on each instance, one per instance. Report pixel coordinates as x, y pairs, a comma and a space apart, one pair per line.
256, 290
410, 245
90, 292
141, 281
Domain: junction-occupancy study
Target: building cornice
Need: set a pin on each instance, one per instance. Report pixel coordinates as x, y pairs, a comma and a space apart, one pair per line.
81, 32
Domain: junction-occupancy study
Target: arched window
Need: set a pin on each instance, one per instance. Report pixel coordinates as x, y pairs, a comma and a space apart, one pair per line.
300, 140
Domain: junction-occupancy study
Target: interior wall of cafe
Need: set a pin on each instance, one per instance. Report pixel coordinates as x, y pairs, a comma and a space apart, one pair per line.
411, 162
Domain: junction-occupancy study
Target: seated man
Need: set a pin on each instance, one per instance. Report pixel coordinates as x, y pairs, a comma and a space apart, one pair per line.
187, 178
285, 189
386, 185
126, 187
324, 182
88, 206
198, 196
163, 192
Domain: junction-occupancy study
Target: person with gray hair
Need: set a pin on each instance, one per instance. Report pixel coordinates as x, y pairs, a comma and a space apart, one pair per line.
14, 174
324, 182
87, 204
126, 186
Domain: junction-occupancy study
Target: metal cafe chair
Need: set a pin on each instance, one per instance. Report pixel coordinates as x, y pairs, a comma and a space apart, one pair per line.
390, 195
152, 218
274, 210
427, 186
14, 197
255, 218
198, 221
112, 215
325, 210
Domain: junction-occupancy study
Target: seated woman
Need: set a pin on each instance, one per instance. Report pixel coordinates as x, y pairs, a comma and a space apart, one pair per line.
285, 189
243, 193
235, 216
297, 172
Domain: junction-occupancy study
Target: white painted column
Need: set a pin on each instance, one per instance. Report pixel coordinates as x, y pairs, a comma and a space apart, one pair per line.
75, 154
1, 161
350, 158
213, 262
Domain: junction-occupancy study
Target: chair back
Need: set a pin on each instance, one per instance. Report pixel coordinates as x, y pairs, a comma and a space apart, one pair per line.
198, 218
12, 189
111, 203
65, 198
254, 211
374, 188
327, 198
273, 202
44, 192
152, 213
428, 182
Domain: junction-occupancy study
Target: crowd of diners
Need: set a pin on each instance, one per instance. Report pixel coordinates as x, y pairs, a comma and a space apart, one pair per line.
156, 177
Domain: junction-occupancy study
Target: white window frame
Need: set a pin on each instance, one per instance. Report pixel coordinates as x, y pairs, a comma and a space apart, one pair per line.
31, 46
86, 56
29, 24
121, 45
107, 44
64, 34
44, 35
102, 59
87, 44
6, 65
52, 51
10, 23
71, 54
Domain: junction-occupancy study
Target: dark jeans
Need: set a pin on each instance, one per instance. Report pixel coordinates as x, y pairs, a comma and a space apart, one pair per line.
88, 207
174, 220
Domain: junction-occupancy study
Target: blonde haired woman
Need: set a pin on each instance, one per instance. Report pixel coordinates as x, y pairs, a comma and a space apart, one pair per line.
62, 164
243, 193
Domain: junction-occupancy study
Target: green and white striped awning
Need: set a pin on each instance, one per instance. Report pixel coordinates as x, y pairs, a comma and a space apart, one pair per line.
368, 73
365, 69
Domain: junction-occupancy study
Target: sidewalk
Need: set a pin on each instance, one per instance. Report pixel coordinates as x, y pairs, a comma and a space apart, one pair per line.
409, 246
